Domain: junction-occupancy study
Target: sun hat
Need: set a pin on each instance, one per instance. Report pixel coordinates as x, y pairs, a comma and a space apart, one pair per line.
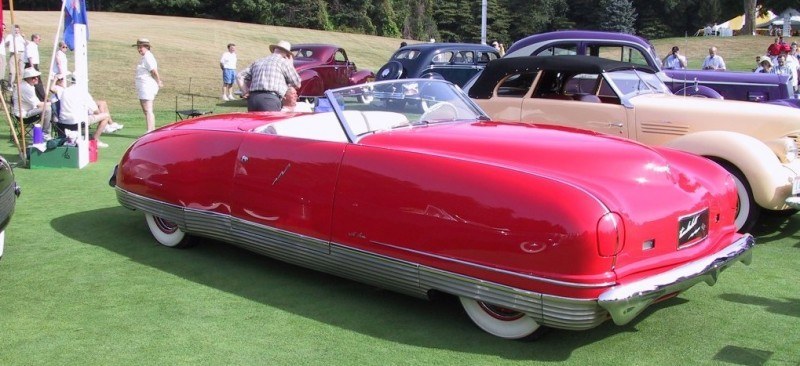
30, 72
765, 59
142, 42
284, 46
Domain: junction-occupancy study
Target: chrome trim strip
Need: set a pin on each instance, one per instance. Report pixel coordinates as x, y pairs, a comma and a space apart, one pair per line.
499, 270
625, 302
403, 276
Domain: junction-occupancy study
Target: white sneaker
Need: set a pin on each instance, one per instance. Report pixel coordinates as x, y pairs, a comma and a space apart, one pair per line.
231, 97
47, 137
101, 144
225, 97
113, 127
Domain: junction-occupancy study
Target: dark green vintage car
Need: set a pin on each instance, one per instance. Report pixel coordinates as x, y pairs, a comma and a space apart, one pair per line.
9, 190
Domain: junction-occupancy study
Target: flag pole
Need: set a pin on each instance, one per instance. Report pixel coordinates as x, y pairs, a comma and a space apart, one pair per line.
23, 149
52, 60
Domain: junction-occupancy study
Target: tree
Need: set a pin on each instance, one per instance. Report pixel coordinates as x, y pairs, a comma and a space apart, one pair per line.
749, 26
384, 19
531, 17
617, 16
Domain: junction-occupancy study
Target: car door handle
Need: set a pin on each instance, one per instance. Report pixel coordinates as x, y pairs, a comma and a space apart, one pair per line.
615, 124
244, 158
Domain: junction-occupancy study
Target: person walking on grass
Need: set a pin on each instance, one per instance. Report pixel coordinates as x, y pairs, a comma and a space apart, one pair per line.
228, 65
148, 81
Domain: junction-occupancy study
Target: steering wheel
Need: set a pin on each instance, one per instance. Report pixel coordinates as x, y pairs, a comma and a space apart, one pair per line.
441, 111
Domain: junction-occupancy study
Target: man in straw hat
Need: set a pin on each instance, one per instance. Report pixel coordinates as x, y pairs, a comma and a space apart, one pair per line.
266, 80
30, 104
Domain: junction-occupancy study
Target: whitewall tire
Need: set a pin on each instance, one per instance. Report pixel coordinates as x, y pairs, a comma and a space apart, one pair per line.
2, 242
166, 232
501, 322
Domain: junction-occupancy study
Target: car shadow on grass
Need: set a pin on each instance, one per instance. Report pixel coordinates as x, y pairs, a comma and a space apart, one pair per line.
773, 226
338, 302
786, 306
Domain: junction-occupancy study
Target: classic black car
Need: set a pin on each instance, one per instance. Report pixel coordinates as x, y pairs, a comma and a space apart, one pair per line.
454, 62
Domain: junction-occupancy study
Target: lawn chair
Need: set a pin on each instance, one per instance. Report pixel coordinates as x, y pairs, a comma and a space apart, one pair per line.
181, 100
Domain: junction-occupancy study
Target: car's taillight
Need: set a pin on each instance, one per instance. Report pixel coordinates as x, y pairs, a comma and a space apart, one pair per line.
610, 235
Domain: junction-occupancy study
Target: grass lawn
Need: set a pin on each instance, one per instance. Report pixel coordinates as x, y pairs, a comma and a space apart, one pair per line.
83, 282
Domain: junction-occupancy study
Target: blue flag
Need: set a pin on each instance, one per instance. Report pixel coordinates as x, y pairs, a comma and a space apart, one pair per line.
75, 13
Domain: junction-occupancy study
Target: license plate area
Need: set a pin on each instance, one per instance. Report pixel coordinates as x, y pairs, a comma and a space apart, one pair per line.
692, 228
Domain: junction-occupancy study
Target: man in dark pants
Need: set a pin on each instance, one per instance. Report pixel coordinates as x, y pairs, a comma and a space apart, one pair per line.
266, 80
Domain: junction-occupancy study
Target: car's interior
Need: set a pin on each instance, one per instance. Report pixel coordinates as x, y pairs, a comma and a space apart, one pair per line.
325, 126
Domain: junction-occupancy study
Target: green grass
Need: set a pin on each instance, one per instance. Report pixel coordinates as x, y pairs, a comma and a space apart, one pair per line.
82, 281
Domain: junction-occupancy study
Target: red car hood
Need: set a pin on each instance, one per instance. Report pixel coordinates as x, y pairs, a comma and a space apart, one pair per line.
603, 165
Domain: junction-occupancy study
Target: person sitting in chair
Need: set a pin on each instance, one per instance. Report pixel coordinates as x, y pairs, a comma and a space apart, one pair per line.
27, 105
77, 107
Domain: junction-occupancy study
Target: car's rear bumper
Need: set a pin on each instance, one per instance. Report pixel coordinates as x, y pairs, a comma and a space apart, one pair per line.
625, 302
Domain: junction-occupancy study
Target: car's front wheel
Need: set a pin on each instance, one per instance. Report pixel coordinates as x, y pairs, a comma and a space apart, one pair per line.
167, 233
747, 211
502, 322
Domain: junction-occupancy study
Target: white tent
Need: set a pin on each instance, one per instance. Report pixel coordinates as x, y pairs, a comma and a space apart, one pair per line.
792, 14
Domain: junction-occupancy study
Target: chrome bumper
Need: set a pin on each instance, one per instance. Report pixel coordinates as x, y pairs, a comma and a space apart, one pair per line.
625, 302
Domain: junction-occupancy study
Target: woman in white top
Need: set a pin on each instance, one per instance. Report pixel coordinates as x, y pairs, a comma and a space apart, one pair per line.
61, 67
147, 81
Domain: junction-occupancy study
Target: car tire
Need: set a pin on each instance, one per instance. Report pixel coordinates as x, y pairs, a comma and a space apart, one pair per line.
2, 242
167, 233
391, 71
748, 211
501, 322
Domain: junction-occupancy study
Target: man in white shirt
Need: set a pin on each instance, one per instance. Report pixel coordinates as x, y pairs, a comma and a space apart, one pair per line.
290, 103
29, 105
31, 56
228, 65
15, 44
674, 60
713, 61
77, 106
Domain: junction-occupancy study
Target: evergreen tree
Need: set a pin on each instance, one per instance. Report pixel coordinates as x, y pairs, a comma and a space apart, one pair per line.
384, 19
617, 16
445, 13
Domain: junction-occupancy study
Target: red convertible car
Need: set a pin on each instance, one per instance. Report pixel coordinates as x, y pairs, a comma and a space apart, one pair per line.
515, 220
324, 66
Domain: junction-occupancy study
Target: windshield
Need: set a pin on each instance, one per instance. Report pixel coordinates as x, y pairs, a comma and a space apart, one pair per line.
632, 82
386, 105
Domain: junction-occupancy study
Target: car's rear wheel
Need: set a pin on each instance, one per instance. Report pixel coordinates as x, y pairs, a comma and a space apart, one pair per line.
502, 322
167, 233
747, 210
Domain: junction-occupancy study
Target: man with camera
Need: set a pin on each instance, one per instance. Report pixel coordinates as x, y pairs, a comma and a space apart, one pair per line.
674, 60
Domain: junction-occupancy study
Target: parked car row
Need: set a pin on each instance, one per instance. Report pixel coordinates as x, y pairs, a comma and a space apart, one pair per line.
558, 192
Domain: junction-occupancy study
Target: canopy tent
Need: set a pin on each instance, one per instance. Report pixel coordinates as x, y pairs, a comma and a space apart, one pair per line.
738, 22
793, 15
734, 24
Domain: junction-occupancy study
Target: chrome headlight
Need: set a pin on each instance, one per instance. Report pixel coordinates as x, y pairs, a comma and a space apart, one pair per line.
785, 148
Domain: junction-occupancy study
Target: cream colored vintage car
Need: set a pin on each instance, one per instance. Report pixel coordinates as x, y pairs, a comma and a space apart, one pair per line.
756, 143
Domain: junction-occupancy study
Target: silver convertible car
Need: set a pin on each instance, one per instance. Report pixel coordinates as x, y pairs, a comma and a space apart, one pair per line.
756, 143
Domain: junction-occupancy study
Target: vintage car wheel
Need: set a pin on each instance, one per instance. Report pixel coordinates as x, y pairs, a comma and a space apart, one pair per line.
501, 322
747, 211
167, 233
392, 70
